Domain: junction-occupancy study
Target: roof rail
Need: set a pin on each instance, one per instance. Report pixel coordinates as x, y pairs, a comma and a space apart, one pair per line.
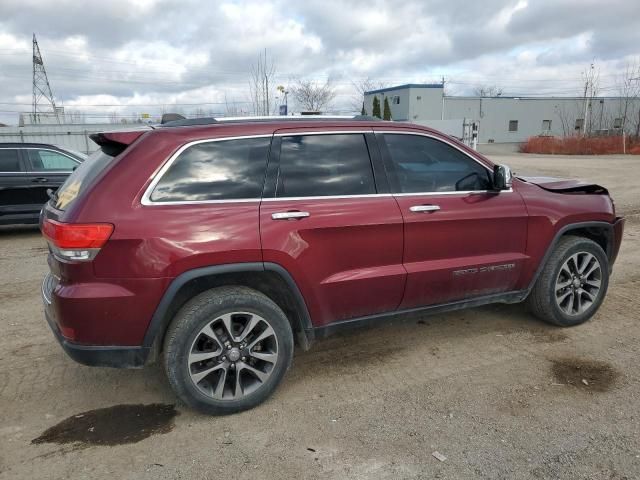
300, 118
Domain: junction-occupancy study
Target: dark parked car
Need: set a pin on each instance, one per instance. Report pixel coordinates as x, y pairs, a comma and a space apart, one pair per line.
214, 244
27, 171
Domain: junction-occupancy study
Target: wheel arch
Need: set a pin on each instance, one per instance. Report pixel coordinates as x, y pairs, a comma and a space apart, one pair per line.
599, 232
268, 278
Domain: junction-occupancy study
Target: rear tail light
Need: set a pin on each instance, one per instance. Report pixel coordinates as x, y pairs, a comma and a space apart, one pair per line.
76, 241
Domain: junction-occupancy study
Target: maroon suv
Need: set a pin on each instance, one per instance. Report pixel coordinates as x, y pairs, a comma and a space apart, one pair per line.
214, 243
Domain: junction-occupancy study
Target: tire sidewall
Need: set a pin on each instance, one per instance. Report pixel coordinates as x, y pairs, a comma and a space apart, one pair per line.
588, 247
195, 316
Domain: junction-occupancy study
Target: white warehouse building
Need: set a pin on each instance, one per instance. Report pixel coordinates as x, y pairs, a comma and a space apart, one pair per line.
503, 119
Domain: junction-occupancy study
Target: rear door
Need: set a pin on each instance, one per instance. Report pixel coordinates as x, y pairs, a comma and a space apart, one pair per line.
328, 219
47, 169
462, 240
14, 182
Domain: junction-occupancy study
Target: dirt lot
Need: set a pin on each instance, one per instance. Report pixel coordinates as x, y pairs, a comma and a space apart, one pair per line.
498, 393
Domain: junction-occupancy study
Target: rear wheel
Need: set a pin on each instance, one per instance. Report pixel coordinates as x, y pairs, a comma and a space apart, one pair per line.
227, 350
573, 283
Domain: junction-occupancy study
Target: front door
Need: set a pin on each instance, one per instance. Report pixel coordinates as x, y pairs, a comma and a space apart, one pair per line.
325, 220
462, 240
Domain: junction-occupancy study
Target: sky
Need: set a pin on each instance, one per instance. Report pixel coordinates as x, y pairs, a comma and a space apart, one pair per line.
148, 56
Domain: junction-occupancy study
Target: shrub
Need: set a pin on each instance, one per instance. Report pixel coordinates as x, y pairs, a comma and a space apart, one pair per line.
580, 145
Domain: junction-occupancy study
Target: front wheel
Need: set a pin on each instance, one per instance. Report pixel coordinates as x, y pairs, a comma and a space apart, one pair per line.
572, 284
227, 350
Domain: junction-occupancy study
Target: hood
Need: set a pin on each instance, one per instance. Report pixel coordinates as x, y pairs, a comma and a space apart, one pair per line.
564, 185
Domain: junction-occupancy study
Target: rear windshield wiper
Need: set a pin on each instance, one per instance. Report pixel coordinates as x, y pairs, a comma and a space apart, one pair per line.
53, 195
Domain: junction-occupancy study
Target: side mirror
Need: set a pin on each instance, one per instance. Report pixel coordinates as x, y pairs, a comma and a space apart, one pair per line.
502, 177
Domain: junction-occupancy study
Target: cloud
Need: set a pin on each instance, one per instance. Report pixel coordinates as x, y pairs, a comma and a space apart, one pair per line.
159, 52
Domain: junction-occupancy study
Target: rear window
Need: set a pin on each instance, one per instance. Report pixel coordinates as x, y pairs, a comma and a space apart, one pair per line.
81, 178
220, 170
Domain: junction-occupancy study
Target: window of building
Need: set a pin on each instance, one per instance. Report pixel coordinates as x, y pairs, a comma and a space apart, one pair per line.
513, 125
324, 165
546, 125
424, 164
579, 123
617, 123
9, 160
395, 100
43, 160
223, 170
419, 97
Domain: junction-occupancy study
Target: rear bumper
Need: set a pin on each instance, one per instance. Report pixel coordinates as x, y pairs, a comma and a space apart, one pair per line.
99, 355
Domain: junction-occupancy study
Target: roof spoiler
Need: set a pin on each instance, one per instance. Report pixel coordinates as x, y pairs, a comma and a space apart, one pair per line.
114, 143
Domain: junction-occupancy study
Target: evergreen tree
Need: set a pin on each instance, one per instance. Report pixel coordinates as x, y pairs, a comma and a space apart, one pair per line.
387, 110
376, 108
363, 111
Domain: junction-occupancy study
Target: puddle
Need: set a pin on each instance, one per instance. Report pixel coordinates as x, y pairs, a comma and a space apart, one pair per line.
584, 374
115, 425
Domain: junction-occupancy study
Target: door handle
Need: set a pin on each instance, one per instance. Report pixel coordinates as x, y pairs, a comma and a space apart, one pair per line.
296, 215
40, 180
425, 208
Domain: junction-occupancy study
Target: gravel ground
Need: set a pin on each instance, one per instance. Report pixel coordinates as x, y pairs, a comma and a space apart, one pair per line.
496, 392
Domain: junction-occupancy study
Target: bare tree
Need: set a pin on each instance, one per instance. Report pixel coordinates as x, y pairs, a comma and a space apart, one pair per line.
311, 96
361, 87
262, 85
487, 91
629, 92
230, 108
567, 114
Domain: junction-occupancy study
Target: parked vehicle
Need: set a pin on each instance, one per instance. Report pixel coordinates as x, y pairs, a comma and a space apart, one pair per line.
214, 244
27, 171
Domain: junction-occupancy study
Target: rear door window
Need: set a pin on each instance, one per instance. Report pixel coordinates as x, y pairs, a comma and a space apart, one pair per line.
216, 170
324, 165
9, 160
48, 160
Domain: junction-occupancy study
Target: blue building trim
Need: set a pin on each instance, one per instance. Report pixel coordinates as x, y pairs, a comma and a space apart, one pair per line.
402, 87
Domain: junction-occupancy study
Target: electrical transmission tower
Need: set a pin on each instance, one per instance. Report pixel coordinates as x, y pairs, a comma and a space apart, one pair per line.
43, 101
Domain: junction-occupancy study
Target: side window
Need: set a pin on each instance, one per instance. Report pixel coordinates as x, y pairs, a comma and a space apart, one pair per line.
324, 165
43, 160
424, 164
222, 170
9, 161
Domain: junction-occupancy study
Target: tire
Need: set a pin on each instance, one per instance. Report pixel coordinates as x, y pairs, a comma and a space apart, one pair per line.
218, 372
559, 299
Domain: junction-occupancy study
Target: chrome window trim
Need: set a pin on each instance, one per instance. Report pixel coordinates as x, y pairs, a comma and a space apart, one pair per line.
146, 196
327, 197
40, 172
456, 192
323, 132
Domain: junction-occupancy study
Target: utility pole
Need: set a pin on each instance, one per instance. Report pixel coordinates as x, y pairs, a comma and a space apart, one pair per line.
43, 101
588, 86
442, 109
584, 117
